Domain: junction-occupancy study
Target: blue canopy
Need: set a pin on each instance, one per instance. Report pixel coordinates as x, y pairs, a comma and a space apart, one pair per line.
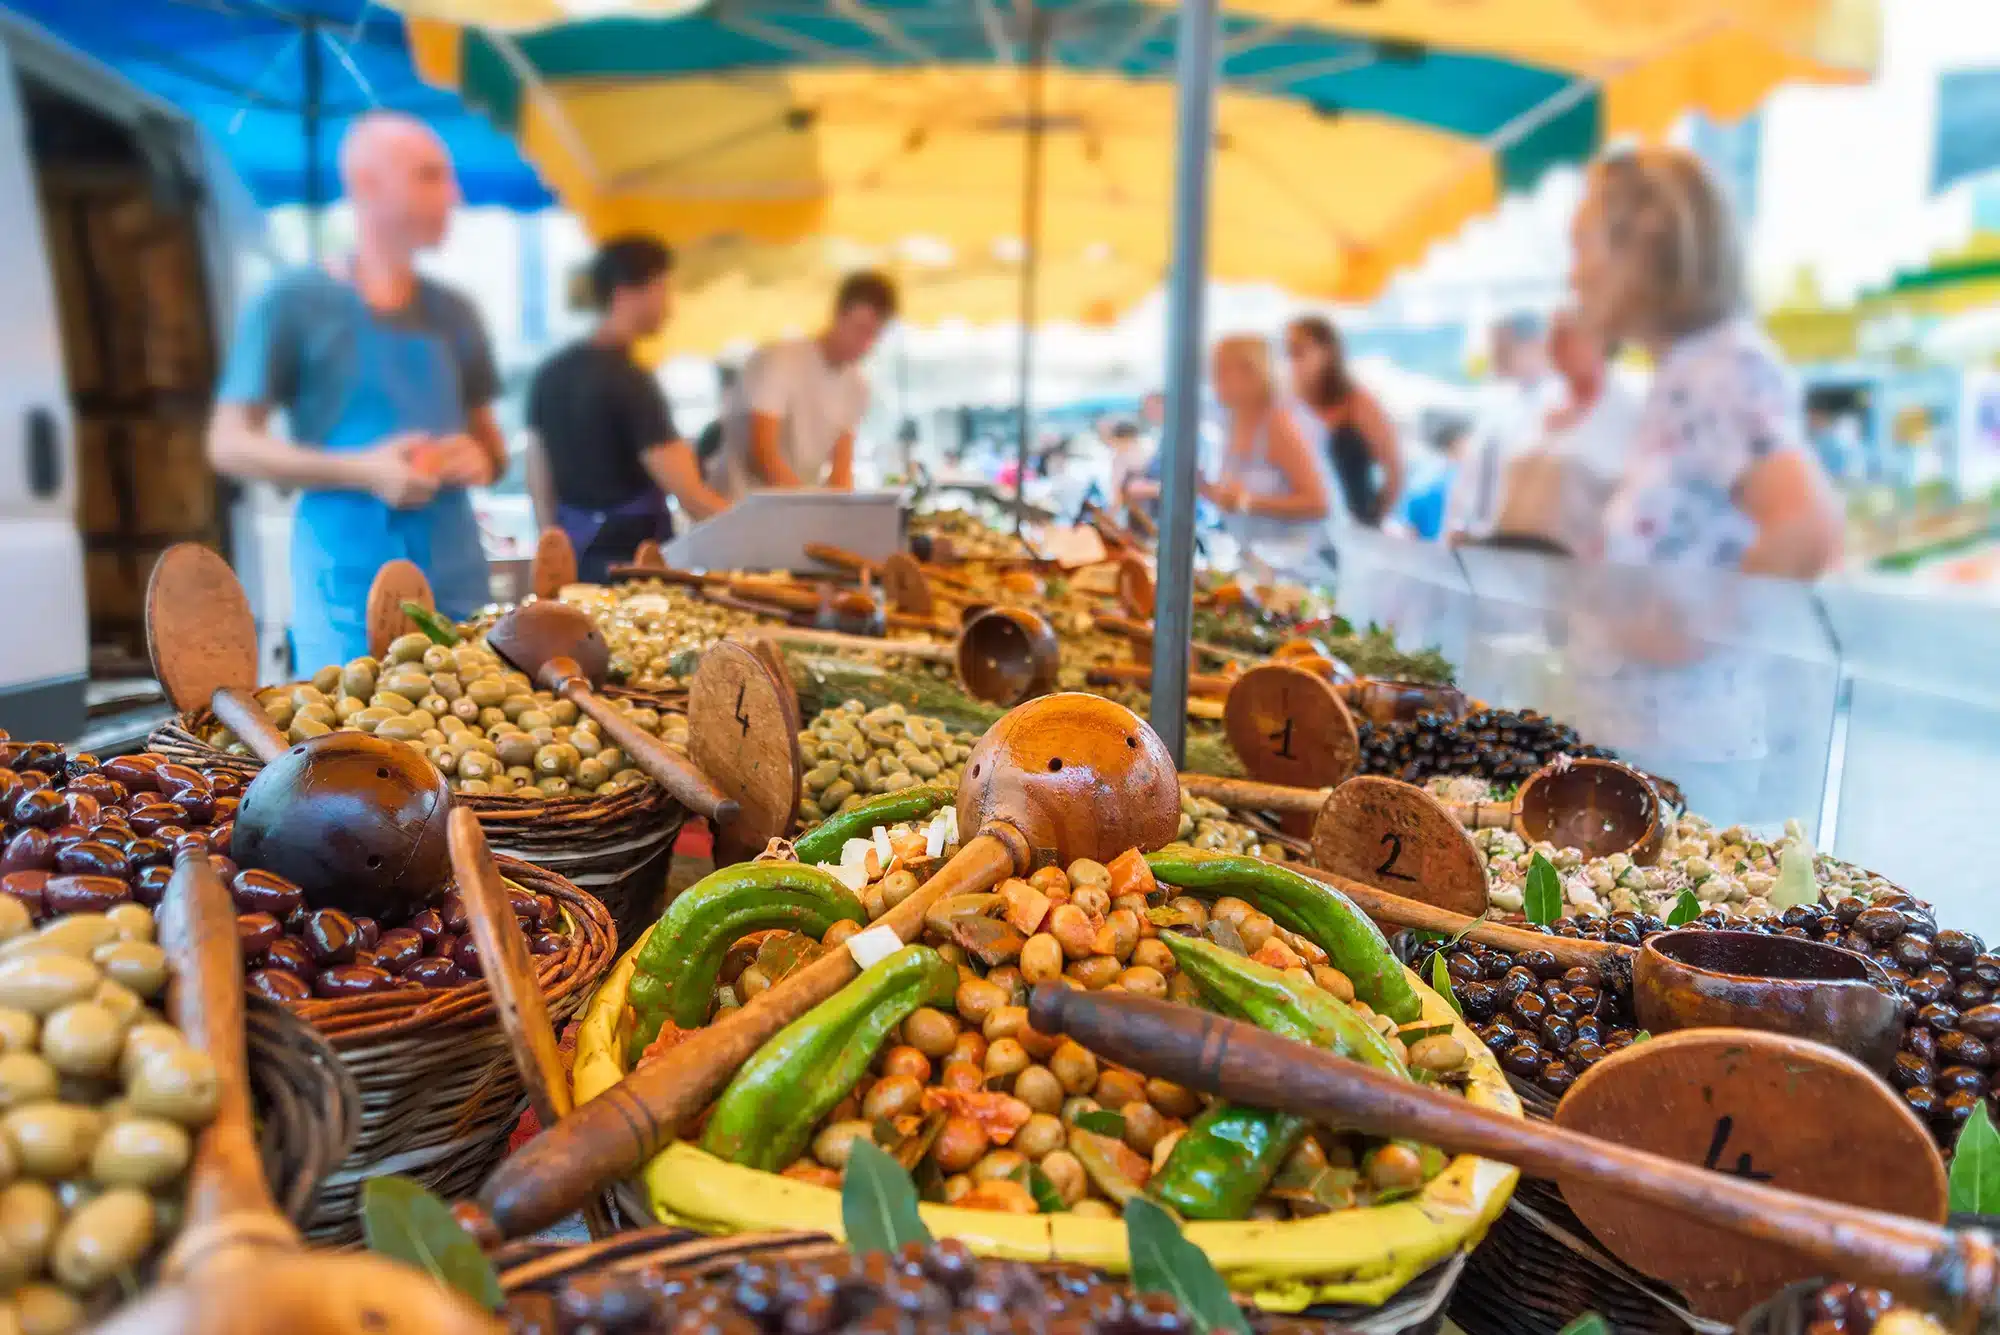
275, 83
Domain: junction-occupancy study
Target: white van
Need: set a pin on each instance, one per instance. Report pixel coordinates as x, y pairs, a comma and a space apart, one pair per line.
129, 241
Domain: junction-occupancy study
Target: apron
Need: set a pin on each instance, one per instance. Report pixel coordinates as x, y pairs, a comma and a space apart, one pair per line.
404, 381
604, 538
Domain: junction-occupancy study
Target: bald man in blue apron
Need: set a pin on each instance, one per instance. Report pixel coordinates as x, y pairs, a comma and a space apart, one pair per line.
386, 381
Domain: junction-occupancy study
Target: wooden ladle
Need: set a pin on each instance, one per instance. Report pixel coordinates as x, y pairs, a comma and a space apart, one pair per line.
1062, 777
1599, 807
1729, 1099
238, 1267
203, 643
553, 566
1004, 655
561, 651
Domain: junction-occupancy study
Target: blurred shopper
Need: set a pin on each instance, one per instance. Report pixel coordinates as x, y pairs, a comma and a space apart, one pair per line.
1360, 440
1721, 474
605, 454
1554, 495
1423, 508
1512, 407
792, 420
1663, 649
386, 382
1268, 480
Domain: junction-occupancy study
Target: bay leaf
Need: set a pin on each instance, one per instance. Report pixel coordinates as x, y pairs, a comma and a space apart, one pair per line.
403, 1221
1165, 1262
1542, 899
1441, 981
1685, 910
878, 1202
1975, 1166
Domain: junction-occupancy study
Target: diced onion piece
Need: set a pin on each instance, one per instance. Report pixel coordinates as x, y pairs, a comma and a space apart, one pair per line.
882, 849
854, 852
934, 836
852, 875
874, 945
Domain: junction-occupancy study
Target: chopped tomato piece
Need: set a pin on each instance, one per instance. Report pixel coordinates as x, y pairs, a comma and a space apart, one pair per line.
998, 1115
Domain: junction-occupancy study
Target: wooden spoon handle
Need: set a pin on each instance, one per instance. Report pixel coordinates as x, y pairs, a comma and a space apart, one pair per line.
668, 767
613, 1135
867, 644
1249, 795
241, 714
1113, 674
1242, 1063
1397, 911
1482, 815
839, 558
197, 925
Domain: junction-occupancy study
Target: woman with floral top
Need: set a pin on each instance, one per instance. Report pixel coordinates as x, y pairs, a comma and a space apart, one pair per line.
1666, 647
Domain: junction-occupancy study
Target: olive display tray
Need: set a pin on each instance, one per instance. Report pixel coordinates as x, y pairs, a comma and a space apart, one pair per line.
525, 1267
618, 847
1358, 1257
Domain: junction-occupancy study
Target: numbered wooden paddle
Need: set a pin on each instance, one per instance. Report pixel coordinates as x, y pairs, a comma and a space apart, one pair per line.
1135, 587
203, 643
1673, 1151
238, 1267
554, 565
744, 736
396, 583
1059, 778
560, 649
1289, 727
902, 578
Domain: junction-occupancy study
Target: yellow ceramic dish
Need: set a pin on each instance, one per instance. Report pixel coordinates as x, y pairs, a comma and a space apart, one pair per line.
1358, 1256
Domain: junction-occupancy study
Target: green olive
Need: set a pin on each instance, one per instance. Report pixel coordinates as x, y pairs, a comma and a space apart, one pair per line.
29, 1215
612, 758
389, 703
107, 1235
516, 748
123, 1003
133, 922
435, 705
78, 934
140, 1152
562, 713
280, 713
476, 765
54, 1139
400, 730
327, 680
492, 717
139, 966
534, 720
40, 983
441, 755
144, 1039
45, 1309
587, 744
19, 1031
516, 705
302, 696
348, 706
447, 687
464, 710
179, 1084
25, 1077
553, 786
437, 658
317, 713
304, 729
83, 1038
590, 775
15, 920
556, 759
487, 692
423, 718
410, 684
358, 678
408, 648
520, 774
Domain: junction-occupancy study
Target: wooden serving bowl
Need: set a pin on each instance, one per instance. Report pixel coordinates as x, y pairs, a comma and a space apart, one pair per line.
1747, 980
1598, 806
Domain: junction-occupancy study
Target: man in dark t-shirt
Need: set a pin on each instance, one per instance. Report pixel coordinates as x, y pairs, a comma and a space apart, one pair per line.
606, 454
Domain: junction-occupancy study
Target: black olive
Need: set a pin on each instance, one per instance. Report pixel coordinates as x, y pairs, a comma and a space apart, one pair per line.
1465, 968
1518, 982
1986, 968
1557, 1033
1542, 962
1969, 995
1953, 1079
1847, 910
1589, 1030
1524, 1060
1951, 1110
1479, 1000
1912, 950
330, 937
278, 985
1920, 1041
1939, 1018
1556, 1077
1959, 1048
1954, 947
1922, 1099
1501, 1033
1531, 1006
1909, 1070
1585, 1054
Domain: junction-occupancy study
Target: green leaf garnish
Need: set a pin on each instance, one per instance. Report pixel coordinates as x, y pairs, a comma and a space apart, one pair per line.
878, 1202
1542, 899
403, 1221
1104, 1122
1441, 981
1975, 1166
1685, 910
1165, 1262
1587, 1323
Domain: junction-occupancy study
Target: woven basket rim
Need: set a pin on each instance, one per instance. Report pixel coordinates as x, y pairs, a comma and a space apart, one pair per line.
353, 1023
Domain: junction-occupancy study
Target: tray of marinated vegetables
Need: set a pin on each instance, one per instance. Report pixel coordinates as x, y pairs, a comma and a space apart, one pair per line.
1025, 1145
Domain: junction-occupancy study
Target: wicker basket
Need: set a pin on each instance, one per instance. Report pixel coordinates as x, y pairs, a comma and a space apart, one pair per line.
532, 1267
308, 1106
618, 847
439, 1096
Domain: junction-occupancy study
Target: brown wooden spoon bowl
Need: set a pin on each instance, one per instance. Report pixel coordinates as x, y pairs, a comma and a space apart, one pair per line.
1781, 984
532, 634
1598, 806
1007, 655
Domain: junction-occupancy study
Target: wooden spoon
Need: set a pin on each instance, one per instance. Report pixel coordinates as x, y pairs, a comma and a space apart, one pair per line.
1682, 1098
203, 643
1005, 655
1062, 777
561, 651
1138, 674
238, 1267
554, 564
648, 556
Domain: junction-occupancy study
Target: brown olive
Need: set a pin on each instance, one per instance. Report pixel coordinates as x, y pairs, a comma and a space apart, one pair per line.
1005, 1059
962, 1076
429, 924
255, 932
1042, 1133
434, 972
1117, 1087
258, 891
960, 1143
998, 1165
547, 943
149, 887
144, 852
445, 945
1096, 972
930, 1031
906, 1060
1144, 1125
94, 857
836, 1140
1038, 1087
1394, 1166
157, 816
1075, 1066
1073, 931
398, 948
290, 954
1140, 980
970, 1046
1065, 1173
977, 998
139, 773
892, 1096
347, 980
29, 889
41, 809
29, 850
466, 956
455, 919
84, 809
1042, 959
278, 985
330, 937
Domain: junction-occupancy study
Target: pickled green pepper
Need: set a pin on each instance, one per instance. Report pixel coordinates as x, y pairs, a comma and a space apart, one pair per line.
674, 976
823, 843
1316, 911
765, 1119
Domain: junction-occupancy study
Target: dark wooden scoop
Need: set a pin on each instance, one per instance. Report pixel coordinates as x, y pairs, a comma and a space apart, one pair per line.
554, 564
561, 651
1062, 777
238, 1267
1950, 1272
1007, 655
203, 643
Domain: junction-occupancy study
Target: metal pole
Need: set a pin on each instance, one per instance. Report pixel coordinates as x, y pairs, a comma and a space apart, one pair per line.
313, 81
1031, 245
1173, 607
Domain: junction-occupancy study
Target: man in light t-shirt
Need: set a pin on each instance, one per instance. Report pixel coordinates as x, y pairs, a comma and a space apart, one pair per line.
790, 421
